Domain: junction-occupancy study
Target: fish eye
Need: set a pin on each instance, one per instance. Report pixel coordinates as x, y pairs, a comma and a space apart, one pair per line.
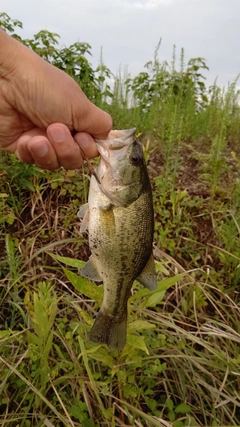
135, 159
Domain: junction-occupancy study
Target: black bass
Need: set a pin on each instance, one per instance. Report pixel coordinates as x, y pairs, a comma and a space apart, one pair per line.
119, 219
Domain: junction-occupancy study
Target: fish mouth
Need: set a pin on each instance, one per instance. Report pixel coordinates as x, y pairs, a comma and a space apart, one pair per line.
116, 140
112, 150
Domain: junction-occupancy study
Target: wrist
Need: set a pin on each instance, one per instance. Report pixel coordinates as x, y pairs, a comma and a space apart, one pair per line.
10, 54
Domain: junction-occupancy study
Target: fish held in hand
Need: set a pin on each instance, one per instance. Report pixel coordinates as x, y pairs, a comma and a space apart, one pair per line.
119, 219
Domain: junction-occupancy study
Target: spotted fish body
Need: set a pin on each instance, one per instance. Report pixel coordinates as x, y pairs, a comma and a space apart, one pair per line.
119, 218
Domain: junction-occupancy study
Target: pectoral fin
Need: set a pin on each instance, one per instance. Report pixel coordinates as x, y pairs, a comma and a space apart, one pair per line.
90, 271
148, 277
83, 209
83, 213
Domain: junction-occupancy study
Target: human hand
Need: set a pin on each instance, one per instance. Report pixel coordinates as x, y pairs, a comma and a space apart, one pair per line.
39, 108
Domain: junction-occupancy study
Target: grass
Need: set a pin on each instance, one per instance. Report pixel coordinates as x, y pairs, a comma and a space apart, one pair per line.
180, 366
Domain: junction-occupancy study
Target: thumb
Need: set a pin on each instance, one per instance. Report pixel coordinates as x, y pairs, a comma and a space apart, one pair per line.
93, 120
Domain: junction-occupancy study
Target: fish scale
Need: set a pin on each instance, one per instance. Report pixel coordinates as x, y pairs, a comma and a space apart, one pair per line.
119, 218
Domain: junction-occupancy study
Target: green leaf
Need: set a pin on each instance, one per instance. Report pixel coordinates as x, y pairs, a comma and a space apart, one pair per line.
27, 184
85, 316
47, 348
40, 319
137, 296
155, 297
139, 325
171, 416
10, 218
4, 334
178, 423
87, 288
33, 339
137, 342
160, 267
72, 262
169, 404
165, 284
183, 408
101, 354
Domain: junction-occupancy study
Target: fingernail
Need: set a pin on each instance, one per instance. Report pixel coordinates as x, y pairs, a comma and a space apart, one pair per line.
85, 140
41, 149
58, 134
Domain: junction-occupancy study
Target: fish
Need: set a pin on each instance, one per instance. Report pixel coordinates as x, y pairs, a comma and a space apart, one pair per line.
119, 218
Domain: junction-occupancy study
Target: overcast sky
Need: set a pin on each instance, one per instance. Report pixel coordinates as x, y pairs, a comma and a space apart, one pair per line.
129, 30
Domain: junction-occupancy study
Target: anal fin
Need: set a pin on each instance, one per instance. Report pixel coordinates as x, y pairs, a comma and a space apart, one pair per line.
148, 276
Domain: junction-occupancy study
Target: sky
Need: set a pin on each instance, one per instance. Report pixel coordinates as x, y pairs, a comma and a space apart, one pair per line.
129, 30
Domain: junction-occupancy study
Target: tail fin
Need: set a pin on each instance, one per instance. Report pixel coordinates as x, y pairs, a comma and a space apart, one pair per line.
110, 330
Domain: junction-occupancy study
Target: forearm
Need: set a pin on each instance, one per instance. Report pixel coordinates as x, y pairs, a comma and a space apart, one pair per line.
18, 65
26, 76
10, 53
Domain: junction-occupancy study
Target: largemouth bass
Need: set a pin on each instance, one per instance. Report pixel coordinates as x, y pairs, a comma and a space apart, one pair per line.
119, 219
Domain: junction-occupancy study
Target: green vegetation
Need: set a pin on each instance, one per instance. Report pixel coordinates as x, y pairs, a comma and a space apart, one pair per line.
181, 364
